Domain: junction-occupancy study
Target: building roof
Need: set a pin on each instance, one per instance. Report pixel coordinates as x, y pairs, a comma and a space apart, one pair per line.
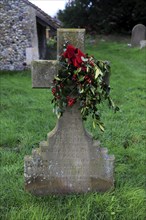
44, 17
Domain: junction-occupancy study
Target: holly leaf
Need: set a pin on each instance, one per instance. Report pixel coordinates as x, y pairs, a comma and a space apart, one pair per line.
58, 115
57, 78
92, 90
98, 72
78, 70
81, 78
100, 126
87, 69
84, 59
94, 124
81, 90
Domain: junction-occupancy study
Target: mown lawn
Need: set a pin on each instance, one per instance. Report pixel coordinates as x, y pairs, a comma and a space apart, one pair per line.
27, 117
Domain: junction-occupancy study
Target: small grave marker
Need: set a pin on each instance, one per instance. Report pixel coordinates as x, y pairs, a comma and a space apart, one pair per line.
138, 34
70, 161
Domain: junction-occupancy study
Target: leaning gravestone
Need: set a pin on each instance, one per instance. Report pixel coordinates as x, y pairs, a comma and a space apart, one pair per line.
138, 34
69, 161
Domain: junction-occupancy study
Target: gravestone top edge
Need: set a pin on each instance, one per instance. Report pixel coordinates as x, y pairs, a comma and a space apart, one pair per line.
71, 29
138, 25
44, 61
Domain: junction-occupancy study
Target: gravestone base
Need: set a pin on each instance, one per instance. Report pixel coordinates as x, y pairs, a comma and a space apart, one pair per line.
70, 161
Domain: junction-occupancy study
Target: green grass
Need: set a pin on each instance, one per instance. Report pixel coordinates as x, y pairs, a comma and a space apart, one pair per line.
26, 118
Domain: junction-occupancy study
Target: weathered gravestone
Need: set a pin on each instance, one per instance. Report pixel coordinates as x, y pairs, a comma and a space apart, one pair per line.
70, 161
138, 34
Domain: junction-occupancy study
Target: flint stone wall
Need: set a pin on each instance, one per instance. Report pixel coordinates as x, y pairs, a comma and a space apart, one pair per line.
18, 35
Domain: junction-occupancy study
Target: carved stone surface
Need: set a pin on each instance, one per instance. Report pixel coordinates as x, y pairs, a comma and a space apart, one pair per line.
69, 161
138, 34
73, 36
43, 72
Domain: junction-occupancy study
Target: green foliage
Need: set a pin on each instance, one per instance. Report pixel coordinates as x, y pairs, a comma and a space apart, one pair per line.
51, 51
104, 16
26, 117
52, 43
82, 79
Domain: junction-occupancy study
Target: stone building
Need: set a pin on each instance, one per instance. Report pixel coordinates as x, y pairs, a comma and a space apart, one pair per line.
23, 29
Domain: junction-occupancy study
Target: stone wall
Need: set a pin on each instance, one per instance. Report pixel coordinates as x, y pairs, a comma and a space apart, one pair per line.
18, 35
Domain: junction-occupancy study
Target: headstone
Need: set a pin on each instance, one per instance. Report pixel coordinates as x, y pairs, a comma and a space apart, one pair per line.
138, 34
69, 161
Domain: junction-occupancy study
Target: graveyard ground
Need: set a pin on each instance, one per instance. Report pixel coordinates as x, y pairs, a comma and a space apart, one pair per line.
27, 117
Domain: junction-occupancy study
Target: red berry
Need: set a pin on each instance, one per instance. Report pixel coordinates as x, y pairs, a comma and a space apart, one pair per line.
71, 101
53, 90
86, 77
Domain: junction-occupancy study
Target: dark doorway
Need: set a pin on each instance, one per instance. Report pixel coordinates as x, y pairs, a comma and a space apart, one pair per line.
41, 32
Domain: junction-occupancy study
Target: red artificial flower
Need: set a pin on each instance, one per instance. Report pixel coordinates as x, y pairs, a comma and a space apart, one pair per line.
74, 55
70, 52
